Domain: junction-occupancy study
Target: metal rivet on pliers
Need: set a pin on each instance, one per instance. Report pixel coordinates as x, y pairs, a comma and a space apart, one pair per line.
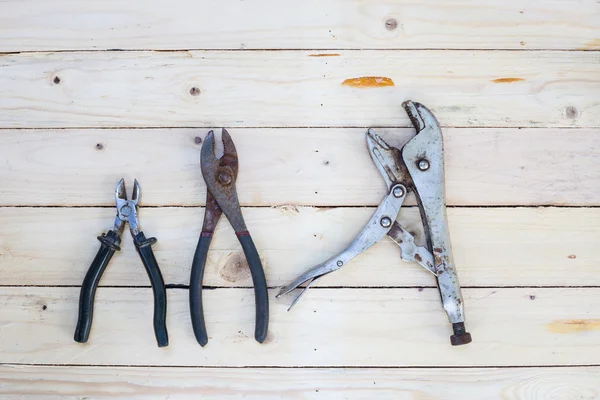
398, 191
423, 164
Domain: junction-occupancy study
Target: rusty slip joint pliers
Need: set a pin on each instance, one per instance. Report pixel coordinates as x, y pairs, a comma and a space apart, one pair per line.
109, 243
220, 175
417, 167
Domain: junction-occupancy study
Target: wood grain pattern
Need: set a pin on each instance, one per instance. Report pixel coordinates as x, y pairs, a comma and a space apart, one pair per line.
492, 247
290, 88
324, 167
330, 24
329, 327
99, 383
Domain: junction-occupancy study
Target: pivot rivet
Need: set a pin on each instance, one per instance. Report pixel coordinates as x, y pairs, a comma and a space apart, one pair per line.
423, 164
225, 178
386, 222
398, 191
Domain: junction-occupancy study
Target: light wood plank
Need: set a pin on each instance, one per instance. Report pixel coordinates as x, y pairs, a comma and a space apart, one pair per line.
295, 166
291, 88
492, 247
330, 24
100, 383
330, 327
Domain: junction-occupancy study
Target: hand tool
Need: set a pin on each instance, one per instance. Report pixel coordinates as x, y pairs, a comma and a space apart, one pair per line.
220, 175
109, 243
417, 167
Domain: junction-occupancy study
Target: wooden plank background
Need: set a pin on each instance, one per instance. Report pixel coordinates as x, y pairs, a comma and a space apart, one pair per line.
92, 91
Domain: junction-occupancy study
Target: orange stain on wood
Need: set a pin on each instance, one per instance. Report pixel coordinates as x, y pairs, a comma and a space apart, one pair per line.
324, 55
507, 80
368, 82
574, 325
592, 44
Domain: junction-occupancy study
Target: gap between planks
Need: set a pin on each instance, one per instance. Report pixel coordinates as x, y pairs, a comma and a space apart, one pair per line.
332, 367
199, 50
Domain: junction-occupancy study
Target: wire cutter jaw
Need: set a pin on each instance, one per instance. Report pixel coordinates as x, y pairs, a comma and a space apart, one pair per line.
127, 209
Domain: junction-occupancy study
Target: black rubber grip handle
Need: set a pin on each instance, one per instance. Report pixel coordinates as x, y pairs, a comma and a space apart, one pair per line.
196, 310
109, 244
144, 249
261, 295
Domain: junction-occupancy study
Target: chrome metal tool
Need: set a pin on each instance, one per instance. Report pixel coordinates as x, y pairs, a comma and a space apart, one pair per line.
419, 168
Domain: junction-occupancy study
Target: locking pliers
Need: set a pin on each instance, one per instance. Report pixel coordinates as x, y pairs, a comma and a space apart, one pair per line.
417, 167
109, 243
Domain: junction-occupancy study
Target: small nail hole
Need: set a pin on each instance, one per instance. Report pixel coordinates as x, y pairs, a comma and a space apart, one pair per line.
56, 80
99, 146
44, 307
194, 91
197, 140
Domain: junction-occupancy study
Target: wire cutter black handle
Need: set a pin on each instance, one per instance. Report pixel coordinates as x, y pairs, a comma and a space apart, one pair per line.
261, 295
144, 249
196, 310
109, 244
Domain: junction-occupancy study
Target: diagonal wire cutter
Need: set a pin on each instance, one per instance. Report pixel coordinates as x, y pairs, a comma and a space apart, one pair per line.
220, 175
109, 243
419, 168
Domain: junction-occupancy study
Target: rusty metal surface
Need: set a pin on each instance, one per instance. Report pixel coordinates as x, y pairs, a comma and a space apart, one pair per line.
212, 213
220, 175
409, 251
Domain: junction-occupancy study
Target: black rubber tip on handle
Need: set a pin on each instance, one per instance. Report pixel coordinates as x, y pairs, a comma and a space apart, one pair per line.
196, 309
461, 336
144, 249
109, 244
261, 295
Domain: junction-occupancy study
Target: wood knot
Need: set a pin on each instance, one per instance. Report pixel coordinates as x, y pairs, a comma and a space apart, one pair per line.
391, 24
235, 269
571, 112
